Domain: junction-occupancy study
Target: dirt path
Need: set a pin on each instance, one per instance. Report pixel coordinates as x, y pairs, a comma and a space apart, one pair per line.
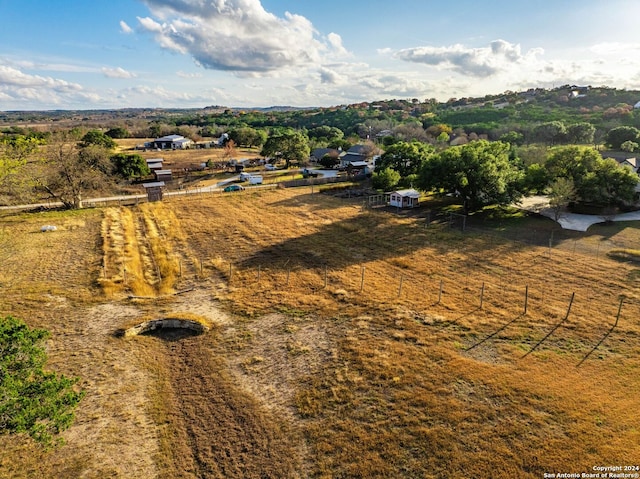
219, 430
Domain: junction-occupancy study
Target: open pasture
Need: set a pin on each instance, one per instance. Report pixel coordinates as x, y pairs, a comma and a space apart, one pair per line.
345, 343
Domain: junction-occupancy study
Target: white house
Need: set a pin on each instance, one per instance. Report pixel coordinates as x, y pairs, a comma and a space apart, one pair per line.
637, 105
409, 198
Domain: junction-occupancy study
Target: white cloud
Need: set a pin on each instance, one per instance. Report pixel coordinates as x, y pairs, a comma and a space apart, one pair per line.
117, 73
182, 74
19, 90
238, 35
481, 62
124, 28
12, 77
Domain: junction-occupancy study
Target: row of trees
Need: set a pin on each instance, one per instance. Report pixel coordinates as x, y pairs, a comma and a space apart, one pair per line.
483, 172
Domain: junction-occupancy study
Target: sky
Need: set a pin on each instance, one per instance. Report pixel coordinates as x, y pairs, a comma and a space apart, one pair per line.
106, 54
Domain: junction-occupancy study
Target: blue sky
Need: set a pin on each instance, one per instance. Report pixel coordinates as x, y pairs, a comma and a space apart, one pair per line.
89, 54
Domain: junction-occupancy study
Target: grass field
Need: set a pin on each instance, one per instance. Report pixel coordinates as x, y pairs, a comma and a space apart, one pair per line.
345, 342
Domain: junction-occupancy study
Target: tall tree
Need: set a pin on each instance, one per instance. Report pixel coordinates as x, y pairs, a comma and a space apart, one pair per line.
562, 193
405, 158
479, 172
246, 136
551, 132
581, 133
572, 162
130, 166
97, 137
32, 400
70, 171
288, 145
609, 183
15, 154
617, 136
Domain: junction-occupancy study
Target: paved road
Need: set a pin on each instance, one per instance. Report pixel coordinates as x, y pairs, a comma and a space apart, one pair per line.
571, 221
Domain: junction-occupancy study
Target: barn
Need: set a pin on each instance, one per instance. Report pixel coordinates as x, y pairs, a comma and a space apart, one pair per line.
171, 142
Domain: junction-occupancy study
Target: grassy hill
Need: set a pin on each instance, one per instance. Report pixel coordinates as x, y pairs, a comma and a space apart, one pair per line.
345, 342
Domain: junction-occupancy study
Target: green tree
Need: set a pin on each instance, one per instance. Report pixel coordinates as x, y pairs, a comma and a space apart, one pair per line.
513, 138
329, 161
15, 155
572, 162
581, 133
617, 136
326, 133
99, 138
405, 158
32, 401
479, 172
130, 166
551, 132
609, 183
246, 136
386, 179
288, 145
562, 192
630, 146
118, 132
536, 178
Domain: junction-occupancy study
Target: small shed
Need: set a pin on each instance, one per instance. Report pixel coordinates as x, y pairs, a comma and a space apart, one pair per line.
154, 190
155, 163
163, 175
358, 168
409, 198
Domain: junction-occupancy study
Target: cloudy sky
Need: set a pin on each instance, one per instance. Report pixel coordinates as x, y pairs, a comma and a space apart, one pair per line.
88, 54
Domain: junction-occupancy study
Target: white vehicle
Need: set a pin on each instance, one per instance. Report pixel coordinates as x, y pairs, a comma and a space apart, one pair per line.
270, 167
245, 176
255, 180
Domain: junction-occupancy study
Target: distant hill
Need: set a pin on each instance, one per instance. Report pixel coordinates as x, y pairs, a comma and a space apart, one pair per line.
490, 115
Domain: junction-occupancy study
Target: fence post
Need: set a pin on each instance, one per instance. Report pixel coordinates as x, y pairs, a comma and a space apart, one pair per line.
400, 288
180, 267
526, 298
325, 276
619, 310
230, 271
481, 295
440, 293
288, 273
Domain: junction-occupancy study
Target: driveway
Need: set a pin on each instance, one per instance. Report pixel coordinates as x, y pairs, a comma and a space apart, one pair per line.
570, 221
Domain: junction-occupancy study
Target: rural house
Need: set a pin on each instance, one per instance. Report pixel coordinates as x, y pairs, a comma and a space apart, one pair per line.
409, 198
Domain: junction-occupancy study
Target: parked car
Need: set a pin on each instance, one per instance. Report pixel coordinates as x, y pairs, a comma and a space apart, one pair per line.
255, 180
270, 167
229, 188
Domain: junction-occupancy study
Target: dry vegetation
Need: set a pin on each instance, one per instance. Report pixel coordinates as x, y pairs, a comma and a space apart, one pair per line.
334, 351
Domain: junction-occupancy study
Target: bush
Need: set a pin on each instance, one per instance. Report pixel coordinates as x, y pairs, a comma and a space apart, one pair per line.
32, 401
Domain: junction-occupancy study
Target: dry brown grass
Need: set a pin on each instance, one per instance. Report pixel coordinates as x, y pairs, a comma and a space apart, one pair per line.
183, 158
351, 379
